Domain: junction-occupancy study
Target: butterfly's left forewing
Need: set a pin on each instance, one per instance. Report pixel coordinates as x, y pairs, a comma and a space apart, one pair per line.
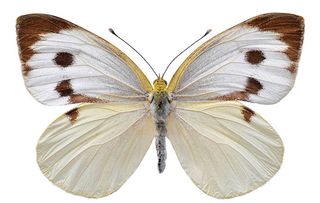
254, 61
63, 63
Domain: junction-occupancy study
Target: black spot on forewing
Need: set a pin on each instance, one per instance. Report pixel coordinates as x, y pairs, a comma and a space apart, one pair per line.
253, 86
63, 59
255, 57
64, 88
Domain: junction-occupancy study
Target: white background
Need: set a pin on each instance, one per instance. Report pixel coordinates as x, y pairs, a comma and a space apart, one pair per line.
159, 30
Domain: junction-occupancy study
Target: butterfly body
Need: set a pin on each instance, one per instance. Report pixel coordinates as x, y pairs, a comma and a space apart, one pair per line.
160, 109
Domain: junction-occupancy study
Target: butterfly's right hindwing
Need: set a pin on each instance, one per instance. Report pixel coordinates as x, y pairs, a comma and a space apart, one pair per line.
63, 63
92, 150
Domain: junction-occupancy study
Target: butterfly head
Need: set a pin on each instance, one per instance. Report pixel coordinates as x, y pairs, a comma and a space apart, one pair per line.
159, 85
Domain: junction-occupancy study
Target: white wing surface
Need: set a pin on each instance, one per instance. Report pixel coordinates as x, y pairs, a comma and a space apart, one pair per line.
225, 148
64, 63
254, 61
92, 150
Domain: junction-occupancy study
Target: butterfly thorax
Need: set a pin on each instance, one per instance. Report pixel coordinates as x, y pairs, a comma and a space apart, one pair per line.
159, 85
160, 100
160, 106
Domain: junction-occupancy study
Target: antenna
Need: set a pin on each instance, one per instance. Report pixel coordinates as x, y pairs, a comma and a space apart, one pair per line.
112, 31
207, 32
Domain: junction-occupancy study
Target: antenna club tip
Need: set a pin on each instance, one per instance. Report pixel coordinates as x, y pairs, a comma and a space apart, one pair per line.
112, 31
208, 31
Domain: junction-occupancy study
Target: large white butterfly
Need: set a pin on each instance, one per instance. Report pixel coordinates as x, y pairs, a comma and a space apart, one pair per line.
226, 148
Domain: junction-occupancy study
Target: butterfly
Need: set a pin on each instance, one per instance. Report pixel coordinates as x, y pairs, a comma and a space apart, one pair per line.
226, 148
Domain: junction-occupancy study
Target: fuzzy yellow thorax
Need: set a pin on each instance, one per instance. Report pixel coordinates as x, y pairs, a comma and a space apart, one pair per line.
159, 85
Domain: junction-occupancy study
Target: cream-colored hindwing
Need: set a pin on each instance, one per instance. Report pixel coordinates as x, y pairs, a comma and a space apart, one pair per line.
225, 148
92, 150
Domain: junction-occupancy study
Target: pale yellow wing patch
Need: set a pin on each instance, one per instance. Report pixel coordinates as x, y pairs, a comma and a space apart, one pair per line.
92, 150
225, 148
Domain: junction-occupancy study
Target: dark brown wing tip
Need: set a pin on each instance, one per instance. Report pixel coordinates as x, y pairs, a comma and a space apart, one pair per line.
23, 18
267, 17
29, 29
33, 18
42, 23
289, 26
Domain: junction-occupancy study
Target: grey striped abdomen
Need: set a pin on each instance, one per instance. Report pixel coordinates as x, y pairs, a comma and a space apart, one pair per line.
161, 145
160, 110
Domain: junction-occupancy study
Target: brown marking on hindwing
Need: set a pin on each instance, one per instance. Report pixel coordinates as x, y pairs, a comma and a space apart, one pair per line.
73, 115
64, 88
247, 113
29, 30
253, 86
63, 59
289, 26
255, 57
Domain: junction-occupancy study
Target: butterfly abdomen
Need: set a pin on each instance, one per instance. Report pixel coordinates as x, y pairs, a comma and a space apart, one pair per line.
160, 110
161, 145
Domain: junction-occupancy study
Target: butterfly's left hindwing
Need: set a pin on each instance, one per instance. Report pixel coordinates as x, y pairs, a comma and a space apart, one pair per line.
92, 150
63, 63
254, 61
226, 148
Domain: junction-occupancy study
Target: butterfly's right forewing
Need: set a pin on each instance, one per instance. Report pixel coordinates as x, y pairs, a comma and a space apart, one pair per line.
63, 63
